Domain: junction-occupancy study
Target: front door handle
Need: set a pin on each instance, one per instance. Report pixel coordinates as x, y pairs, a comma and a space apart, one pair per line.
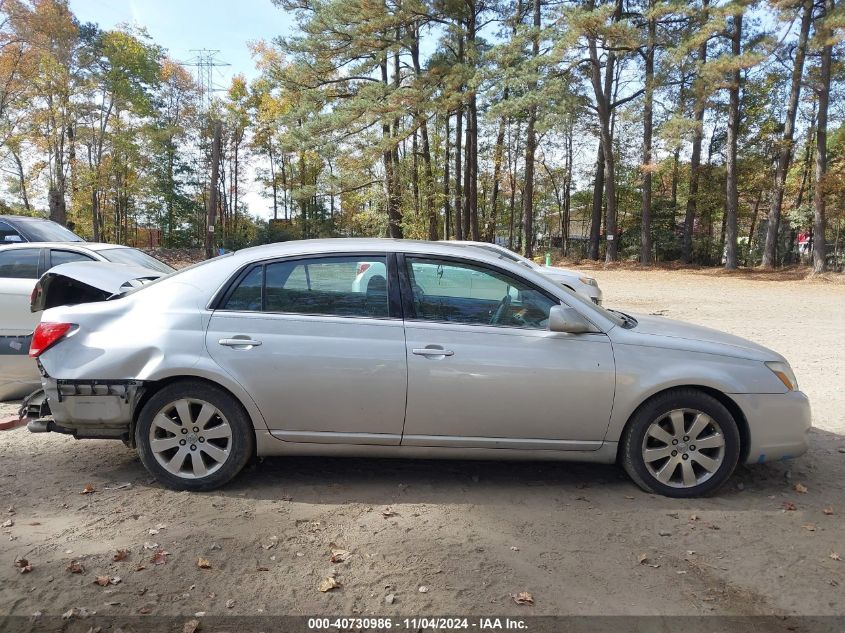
432, 351
239, 342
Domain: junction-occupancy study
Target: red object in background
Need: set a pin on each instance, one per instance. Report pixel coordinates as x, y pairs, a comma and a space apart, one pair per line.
803, 237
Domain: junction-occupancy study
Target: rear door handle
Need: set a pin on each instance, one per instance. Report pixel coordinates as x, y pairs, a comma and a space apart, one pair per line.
239, 342
432, 351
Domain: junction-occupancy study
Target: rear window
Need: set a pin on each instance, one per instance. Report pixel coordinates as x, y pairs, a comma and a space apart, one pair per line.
19, 263
48, 231
135, 258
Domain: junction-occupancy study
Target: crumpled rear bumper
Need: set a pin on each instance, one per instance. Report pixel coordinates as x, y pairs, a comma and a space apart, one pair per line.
93, 408
778, 424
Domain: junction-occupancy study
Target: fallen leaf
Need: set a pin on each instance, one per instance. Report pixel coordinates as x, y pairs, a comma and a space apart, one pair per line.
120, 554
835, 556
514, 548
423, 589
800, 489
191, 626
828, 511
809, 527
148, 545
145, 610
76, 567
328, 583
141, 567
643, 559
8, 523
203, 563
338, 555
262, 569
788, 506
388, 512
88, 489
523, 597
103, 581
24, 565
153, 531
35, 523
230, 604
159, 557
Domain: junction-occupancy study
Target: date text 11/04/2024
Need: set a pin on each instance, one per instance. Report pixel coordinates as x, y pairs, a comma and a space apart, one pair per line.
419, 623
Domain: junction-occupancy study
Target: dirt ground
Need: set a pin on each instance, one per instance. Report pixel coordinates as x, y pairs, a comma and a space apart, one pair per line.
455, 537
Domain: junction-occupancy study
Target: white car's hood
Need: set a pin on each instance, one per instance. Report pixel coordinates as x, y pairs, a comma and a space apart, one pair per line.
659, 331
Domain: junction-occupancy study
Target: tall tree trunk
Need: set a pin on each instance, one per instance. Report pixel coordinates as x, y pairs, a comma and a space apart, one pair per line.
211, 212
819, 219
459, 119
22, 181
648, 123
732, 201
598, 205
498, 151
447, 203
786, 146
394, 227
695, 157
531, 147
603, 89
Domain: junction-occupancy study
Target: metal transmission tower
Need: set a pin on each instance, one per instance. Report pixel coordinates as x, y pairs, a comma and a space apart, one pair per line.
205, 61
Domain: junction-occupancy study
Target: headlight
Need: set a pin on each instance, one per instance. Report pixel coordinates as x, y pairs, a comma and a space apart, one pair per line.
588, 281
784, 372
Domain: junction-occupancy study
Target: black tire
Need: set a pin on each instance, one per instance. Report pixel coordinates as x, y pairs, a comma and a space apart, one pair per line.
240, 446
632, 444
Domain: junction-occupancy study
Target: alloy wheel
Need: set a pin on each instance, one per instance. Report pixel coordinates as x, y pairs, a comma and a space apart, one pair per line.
683, 448
190, 438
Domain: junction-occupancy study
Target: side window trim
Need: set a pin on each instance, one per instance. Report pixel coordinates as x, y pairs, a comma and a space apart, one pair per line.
394, 297
408, 296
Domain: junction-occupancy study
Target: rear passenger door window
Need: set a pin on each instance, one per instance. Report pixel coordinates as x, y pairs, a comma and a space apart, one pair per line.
328, 286
58, 257
19, 263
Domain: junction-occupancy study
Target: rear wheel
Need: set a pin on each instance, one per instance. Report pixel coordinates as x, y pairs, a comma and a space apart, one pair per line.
683, 443
194, 436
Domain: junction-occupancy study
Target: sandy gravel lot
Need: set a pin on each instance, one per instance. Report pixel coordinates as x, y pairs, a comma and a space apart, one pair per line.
471, 534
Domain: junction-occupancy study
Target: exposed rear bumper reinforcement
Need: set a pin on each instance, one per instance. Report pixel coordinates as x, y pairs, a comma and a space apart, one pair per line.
90, 409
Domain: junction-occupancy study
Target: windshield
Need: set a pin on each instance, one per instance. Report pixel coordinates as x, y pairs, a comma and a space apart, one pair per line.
135, 258
45, 231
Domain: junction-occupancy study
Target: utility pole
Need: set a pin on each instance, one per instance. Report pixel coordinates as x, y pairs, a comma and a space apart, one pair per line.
211, 211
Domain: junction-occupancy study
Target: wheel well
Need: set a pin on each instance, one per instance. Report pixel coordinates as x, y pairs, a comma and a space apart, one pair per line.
154, 386
727, 401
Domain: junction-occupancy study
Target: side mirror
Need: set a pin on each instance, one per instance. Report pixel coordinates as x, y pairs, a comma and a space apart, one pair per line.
566, 319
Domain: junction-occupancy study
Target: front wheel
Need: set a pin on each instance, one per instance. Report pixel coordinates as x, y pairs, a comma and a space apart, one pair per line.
683, 443
194, 436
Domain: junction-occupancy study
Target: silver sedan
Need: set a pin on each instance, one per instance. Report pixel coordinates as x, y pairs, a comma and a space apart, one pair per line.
452, 353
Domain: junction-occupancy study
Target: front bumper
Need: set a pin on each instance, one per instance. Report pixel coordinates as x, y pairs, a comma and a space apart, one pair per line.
778, 424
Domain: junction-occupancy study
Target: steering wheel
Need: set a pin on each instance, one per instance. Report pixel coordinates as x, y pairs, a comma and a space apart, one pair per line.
501, 310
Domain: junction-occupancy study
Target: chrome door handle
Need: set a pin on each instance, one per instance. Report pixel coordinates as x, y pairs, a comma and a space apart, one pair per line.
239, 342
432, 351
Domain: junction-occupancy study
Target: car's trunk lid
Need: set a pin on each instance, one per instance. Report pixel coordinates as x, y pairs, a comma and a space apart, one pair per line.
87, 282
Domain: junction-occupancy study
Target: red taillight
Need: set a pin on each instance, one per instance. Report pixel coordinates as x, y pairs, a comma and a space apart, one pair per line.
47, 335
362, 268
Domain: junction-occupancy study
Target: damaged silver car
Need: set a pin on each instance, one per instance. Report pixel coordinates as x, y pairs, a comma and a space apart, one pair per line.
452, 353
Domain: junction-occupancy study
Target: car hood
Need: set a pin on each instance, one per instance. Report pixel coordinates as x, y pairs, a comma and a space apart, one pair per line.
554, 270
85, 282
658, 331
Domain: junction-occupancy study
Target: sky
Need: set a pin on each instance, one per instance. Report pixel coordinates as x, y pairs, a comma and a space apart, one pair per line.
183, 25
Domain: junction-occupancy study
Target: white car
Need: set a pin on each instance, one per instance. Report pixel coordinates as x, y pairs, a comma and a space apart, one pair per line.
21, 265
373, 272
572, 279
